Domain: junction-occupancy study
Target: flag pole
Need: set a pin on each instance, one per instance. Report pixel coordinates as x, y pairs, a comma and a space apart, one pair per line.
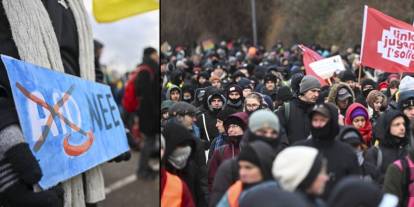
359, 74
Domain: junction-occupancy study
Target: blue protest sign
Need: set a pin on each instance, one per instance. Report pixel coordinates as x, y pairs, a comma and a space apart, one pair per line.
70, 124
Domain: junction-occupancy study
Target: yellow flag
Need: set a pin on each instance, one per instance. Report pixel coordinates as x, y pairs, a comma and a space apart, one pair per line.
113, 10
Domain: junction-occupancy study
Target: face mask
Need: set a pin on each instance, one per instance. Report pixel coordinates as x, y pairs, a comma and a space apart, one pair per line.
179, 157
322, 133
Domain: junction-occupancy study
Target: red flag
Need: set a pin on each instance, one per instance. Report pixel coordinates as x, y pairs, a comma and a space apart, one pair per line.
387, 43
310, 56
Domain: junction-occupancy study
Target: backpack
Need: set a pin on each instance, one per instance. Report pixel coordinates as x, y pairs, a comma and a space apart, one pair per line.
405, 165
131, 101
286, 105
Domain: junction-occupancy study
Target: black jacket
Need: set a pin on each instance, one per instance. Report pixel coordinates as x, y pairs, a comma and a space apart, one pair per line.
391, 148
195, 172
342, 161
148, 86
297, 126
228, 171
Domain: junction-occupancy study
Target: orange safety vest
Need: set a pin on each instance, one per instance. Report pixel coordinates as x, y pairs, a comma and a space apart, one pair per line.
234, 194
173, 191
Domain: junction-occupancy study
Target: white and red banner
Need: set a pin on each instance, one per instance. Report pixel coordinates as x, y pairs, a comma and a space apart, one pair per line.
327, 67
387, 43
310, 56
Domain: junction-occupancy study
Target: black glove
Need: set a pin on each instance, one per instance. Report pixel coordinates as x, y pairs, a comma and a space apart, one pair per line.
24, 163
122, 157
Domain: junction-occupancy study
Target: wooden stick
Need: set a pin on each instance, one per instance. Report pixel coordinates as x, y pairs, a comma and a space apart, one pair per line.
359, 74
401, 75
329, 81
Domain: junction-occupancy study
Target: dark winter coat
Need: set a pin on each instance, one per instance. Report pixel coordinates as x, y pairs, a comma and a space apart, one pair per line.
297, 126
342, 161
391, 148
195, 172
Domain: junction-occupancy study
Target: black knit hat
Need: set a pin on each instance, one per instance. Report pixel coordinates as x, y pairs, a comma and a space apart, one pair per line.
348, 75
248, 154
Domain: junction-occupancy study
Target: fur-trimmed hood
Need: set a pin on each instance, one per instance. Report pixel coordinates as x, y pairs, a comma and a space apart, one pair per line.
334, 92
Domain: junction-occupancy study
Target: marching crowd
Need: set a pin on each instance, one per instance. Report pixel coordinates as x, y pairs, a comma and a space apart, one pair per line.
245, 126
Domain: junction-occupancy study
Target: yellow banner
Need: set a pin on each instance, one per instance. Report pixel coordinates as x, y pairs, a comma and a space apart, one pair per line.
113, 10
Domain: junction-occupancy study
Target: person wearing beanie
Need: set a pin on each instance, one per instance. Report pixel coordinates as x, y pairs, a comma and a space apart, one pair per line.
281, 96
202, 80
377, 104
357, 116
291, 114
349, 78
367, 86
324, 129
245, 84
220, 139
383, 86
165, 107
351, 136
235, 97
342, 96
352, 191
255, 166
406, 103
305, 174
263, 125
172, 188
270, 84
234, 125
181, 158
295, 83
392, 130
214, 102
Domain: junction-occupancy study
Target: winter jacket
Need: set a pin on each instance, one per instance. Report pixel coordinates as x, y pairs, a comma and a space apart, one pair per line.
366, 131
352, 191
229, 150
149, 111
395, 181
266, 155
297, 127
195, 172
390, 148
216, 143
186, 199
334, 93
228, 172
340, 164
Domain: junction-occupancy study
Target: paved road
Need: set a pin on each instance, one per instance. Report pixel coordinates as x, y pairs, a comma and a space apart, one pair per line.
126, 190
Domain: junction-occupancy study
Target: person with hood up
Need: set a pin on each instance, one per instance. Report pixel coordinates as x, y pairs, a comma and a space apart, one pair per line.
342, 96
173, 191
245, 84
173, 93
179, 160
292, 114
324, 129
255, 167
214, 102
377, 104
263, 125
350, 135
305, 174
393, 136
352, 191
235, 97
357, 116
235, 125
202, 80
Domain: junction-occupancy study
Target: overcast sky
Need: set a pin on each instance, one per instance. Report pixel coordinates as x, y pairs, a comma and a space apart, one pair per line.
124, 40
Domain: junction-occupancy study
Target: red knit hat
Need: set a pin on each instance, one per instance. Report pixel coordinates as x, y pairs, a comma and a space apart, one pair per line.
382, 85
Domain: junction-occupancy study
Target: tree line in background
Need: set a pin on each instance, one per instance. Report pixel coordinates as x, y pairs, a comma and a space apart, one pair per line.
184, 22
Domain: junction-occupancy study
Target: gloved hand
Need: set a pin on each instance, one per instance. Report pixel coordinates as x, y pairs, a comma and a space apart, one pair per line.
24, 163
122, 157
